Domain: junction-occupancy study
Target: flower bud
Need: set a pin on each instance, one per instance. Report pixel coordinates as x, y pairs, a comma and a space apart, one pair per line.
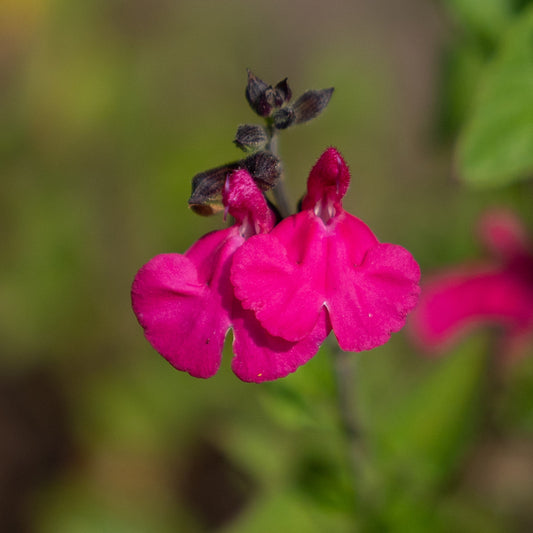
283, 118
206, 197
250, 137
256, 94
311, 104
264, 98
283, 93
207, 186
265, 168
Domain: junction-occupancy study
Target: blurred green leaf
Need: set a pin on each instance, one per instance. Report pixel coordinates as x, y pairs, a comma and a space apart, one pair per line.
286, 511
419, 514
414, 513
304, 398
516, 404
486, 18
496, 147
470, 516
435, 424
74, 507
463, 65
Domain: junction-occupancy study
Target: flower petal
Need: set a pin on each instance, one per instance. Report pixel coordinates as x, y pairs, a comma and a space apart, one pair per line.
328, 180
375, 297
461, 299
280, 275
352, 238
246, 203
179, 318
205, 250
504, 234
260, 356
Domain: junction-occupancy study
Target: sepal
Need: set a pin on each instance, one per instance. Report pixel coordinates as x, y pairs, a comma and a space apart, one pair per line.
207, 186
311, 104
250, 137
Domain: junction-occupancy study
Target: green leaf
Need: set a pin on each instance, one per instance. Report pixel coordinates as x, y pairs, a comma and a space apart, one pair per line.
287, 511
496, 147
303, 399
430, 430
485, 18
463, 65
76, 506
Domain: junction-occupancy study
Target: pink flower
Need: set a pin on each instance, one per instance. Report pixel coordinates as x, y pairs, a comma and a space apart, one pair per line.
497, 291
323, 264
186, 303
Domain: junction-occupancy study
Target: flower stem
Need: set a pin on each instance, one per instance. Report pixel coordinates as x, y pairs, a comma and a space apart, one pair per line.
493, 389
345, 377
363, 474
279, 191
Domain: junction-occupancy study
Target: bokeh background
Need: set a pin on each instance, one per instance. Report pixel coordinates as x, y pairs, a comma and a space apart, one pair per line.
108, 108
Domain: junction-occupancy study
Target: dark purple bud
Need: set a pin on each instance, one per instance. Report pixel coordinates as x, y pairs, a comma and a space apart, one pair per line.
265, 168
250, 137
283, 93
264, 107
207, 186
270, 97
206, 197
255, 88
256, 94
311, 104
283, 118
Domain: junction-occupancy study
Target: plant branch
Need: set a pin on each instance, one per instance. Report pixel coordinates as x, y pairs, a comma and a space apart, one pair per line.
364, 476
279, 191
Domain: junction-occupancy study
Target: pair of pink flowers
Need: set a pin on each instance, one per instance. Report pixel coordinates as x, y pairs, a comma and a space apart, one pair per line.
281, 288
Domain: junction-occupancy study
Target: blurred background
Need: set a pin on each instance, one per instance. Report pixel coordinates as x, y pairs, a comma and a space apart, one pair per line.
108, 109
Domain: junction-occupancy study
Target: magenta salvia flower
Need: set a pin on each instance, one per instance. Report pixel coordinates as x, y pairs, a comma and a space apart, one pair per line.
324, 265
186, 303
497, 291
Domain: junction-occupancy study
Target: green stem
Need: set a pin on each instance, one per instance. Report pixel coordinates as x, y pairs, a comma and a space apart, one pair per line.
492, 389
363, 474
279, 191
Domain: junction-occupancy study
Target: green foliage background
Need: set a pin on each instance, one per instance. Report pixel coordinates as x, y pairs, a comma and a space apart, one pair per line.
108, 109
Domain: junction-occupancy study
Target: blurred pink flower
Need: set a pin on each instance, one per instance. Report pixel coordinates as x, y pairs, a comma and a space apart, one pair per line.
186, 303
324, 264
497, 291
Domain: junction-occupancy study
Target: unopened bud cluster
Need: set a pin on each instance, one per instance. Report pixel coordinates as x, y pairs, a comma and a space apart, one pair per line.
272, 104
